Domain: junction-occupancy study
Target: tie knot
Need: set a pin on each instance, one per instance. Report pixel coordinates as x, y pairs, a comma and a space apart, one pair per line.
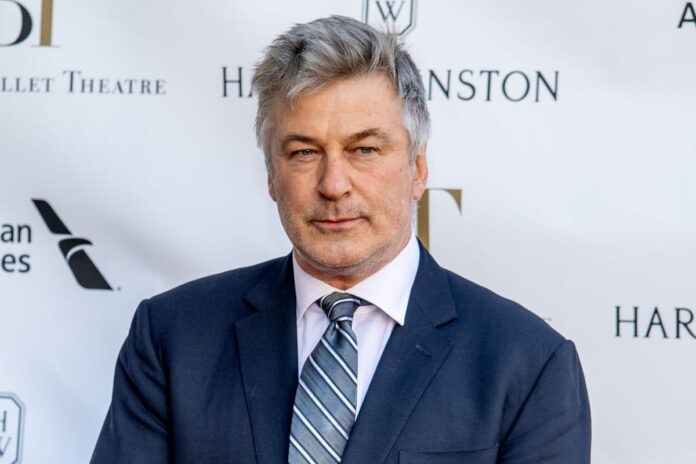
340, 305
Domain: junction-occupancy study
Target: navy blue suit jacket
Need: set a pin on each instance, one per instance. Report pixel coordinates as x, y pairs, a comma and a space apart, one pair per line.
208, 372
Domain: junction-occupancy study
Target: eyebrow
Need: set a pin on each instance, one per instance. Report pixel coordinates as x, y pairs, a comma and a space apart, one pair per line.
296, 138
372, 132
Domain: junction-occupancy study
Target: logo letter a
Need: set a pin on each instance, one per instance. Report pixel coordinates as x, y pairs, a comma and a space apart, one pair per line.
688, 9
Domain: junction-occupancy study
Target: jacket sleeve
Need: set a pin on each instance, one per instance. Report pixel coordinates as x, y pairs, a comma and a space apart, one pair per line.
553, 425
135, 430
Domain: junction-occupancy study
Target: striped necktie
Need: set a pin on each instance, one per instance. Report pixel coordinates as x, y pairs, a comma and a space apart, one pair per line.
325, 402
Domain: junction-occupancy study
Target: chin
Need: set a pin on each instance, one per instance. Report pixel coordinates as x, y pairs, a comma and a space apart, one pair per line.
337, 260
334, 256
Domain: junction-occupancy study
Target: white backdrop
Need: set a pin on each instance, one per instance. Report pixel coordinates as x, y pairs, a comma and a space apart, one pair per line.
576, 199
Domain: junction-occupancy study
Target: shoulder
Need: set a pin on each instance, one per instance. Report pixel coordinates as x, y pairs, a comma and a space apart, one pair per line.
208, 303
217, 288
502, 327
490, 309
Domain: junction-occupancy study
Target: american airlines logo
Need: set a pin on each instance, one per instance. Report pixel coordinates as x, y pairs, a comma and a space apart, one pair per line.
72, 249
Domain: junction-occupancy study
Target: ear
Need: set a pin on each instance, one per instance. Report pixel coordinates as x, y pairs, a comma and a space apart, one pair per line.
420, 174
271, 187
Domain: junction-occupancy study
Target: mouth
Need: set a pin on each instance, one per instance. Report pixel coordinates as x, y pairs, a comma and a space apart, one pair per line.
336, 224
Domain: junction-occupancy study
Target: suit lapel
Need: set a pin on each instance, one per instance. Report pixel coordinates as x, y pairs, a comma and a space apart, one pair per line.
267, 343
412, 357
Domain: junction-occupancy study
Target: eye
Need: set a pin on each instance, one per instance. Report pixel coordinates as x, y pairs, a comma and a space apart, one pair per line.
365, 150
304, 152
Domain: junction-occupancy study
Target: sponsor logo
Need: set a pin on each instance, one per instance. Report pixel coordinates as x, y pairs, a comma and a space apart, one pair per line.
75, 82
465, 85
72, 249
69, 81
25, 23
397, 16
639, 322
492, 85
688, 16
11, 428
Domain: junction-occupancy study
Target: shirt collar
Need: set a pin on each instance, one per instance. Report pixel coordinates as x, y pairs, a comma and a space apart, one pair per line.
388, 289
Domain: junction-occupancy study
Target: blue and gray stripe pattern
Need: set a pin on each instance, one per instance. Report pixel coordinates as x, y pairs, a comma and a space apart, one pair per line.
325, 402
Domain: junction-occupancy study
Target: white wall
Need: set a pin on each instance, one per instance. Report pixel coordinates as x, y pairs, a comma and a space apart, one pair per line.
571, 205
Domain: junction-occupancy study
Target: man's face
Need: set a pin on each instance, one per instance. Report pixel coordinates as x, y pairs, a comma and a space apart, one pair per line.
342, 177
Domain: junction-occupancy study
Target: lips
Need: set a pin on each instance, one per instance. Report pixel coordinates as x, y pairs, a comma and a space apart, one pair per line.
336, 223
337, 220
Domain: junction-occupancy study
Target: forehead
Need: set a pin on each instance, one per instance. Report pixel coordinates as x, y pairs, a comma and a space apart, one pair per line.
343, 107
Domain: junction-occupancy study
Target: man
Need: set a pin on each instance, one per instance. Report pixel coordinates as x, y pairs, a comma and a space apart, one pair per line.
358, 347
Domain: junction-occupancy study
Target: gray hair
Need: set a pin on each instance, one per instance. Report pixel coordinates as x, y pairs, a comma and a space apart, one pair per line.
313, 55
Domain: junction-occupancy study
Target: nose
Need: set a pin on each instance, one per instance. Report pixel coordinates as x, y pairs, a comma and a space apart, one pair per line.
335, 177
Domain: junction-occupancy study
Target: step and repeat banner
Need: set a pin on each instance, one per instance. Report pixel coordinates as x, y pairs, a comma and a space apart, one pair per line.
562, 175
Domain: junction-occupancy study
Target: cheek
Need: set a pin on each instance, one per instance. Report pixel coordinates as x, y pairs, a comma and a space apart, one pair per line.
395, 193
291, 196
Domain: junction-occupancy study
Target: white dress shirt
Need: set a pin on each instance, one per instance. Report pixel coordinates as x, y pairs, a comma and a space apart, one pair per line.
388, 290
